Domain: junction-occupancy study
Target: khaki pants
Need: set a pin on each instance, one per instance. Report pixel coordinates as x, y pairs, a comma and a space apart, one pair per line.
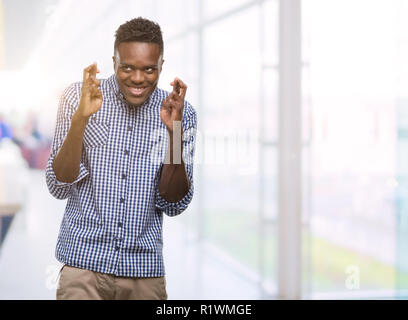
81, 284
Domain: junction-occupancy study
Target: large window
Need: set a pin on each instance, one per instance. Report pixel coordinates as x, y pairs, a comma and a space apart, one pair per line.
353, 141
352, 167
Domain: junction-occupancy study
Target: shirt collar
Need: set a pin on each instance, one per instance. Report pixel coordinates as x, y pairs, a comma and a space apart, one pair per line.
119, 95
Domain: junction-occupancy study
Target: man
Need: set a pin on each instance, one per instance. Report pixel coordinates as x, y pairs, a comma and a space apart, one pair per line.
117, 157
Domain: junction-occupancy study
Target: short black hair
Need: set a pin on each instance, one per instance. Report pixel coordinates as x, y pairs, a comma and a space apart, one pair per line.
139, 29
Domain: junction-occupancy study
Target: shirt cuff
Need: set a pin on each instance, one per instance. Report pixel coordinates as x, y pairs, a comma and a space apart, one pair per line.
174, 208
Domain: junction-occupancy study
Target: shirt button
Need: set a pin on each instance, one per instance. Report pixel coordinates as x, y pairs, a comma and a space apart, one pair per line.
122, 200
119, 224
117, 248
123, 176
126, 152
130, 128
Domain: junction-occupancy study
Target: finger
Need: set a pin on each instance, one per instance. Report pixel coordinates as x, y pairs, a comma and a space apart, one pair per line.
96, 82
170, 103
169, 100
93, 71
174, 97
181, 83
92, 83
93, 88
87, 71
176, 86
91, 74
96, 92
165, 105
183, 89
94, 68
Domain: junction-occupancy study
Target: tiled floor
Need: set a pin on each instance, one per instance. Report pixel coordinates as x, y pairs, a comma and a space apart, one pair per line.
28, 268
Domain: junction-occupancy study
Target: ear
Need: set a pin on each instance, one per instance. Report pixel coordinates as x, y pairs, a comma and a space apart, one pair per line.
161, 64
114, 63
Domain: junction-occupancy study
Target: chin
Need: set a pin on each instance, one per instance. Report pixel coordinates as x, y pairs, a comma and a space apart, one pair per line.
135, 102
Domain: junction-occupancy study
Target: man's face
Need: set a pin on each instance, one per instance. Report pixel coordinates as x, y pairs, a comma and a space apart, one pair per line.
137, 67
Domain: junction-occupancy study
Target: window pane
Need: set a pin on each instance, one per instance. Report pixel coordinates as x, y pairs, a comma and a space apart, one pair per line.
175, 16
270, 106
269, 222
401, 183
231, 102
349, 97
214, 7
270, 23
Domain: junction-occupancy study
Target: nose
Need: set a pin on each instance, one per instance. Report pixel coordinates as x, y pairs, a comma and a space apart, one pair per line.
137, 76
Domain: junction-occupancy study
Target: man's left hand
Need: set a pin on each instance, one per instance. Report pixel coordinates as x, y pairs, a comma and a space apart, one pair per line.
173, 105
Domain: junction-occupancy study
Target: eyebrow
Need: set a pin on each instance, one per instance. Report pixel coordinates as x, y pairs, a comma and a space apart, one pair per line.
144, 67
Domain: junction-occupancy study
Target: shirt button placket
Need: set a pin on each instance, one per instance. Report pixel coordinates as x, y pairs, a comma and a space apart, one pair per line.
118, 238
122, 202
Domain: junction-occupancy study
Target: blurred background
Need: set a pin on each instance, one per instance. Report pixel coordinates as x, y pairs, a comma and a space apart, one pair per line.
301, 167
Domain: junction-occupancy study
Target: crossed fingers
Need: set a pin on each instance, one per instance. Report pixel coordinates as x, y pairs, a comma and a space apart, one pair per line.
179, 88
90, 83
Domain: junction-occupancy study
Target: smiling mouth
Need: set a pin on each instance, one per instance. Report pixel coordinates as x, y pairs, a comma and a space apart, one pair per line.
137, 92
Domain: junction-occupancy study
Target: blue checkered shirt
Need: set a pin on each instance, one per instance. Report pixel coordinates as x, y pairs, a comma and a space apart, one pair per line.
114, 214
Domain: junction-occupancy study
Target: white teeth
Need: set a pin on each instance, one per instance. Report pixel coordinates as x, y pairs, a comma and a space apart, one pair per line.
136, 90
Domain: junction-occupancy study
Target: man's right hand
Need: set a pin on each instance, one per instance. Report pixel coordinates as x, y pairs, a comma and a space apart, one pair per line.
91, 96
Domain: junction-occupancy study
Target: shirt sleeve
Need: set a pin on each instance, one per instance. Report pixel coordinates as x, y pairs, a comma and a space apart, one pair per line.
66, 109
189, 138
